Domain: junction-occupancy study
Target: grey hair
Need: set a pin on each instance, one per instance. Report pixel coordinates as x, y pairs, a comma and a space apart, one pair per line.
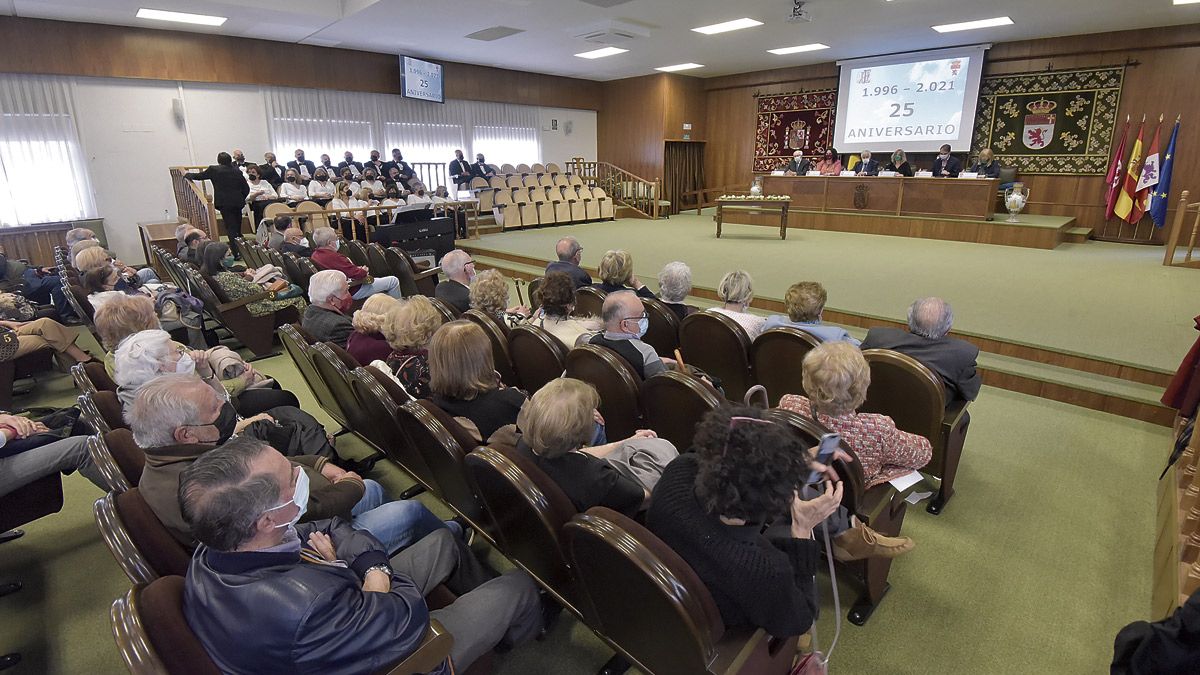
323, 284
612, 305
77, 234
324, 236
930, 317
161, 406
181, 232
454, 262
736, 286
566, 248
139, 357
675, 281
222, 498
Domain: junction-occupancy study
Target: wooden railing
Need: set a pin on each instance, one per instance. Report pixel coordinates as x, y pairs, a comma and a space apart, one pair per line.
625, 188
432, 174
192, 201
1183, 213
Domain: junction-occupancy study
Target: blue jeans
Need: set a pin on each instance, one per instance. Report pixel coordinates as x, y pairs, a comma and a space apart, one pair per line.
395, 524
389, 285
45, 290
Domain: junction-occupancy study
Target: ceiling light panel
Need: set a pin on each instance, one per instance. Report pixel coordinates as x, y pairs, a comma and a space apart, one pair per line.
973, 25
736, 24
181, 17
494, 33
601, 53
801, 48
680, 66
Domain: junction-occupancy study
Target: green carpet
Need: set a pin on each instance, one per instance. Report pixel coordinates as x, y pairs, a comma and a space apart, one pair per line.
1045, 551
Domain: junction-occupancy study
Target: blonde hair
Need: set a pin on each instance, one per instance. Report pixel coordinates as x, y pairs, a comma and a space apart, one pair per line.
122, 316
412, 324
805, 301
489, 292
91, 258
836, 377
736, 286
616, 268
363, 194
558, 419
460, 361
373, 315
79, 246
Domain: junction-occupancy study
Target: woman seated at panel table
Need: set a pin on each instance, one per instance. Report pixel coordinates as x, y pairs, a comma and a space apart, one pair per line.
830, 164
899, 164
321, 190
292, 191
986, 165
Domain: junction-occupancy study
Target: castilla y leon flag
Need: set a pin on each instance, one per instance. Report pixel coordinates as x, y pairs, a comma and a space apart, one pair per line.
1148, 179
1115, 174
1134, 167
1159, 200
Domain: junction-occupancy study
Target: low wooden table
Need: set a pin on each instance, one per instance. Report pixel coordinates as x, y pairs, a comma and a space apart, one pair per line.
756, 205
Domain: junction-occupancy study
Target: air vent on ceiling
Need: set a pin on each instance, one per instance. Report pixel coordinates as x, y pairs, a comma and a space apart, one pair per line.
494, 33
612, 32
605, 3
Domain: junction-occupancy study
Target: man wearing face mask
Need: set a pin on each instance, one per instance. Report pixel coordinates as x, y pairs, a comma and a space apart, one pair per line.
946, 165
326, 257
354, 167
460, 272
176, 419
625, 322
304, 167
265, 594
327, 316
294, 242
398, 163
460, 171
376, 164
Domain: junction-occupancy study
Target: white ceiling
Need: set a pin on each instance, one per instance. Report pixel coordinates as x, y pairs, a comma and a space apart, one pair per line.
435, 28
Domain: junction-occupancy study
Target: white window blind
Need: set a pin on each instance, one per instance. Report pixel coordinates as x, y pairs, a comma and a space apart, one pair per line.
43, 176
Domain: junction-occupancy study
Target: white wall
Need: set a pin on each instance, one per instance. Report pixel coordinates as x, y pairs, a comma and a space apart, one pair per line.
223, 117
558, 146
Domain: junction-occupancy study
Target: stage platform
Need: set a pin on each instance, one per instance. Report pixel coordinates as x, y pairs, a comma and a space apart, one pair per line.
1034, 231
1099, 325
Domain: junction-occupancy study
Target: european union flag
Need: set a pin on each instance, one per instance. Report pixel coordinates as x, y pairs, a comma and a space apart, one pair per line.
1160, 197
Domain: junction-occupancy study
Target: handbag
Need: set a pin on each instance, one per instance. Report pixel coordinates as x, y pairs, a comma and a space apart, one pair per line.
276, 285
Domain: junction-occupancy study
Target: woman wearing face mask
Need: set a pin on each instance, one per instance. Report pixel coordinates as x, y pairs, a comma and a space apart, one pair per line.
235, 281
392, 199
262, 194
830, 164
292, 191
105, 283
321, 190
899, 164
372, 183
347, 199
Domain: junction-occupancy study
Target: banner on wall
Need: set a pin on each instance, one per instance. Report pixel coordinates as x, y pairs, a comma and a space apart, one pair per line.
1051, 122
789, 122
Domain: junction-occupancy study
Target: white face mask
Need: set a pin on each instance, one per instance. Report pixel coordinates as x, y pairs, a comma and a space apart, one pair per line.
337, 244
299, 498
304, 242
186, 365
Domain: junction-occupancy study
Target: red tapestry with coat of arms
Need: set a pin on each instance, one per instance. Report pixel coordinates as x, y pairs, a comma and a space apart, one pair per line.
790, 122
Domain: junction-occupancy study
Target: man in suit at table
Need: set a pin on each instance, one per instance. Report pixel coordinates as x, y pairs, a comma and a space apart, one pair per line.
946, 165
799, 165
460, 170
304, 167
926, 340
229, 194
867, 166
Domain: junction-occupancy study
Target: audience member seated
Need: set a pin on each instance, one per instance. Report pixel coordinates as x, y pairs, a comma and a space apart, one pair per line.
239, 160
321, 190
899, 164
272, 170
489, 294
181, 233
193, 242
805, 301
177, 419
39, 285
625, 322
460, 272
616, 274
712, 504
77, 234
674, 285
554, 315
836, 377
124, 315
406, 172
292, 191
570, 253
79, 247
174, 312
736, 291
375, 164
237, 282
460, 171
325, 256
419, 194
366, 343
393, 199
304, 168
351, 197
327, 316
348, 181
372, 184
830, 164
327, 164
408, 331
560, 423
463, 379
30, 451
90, 259
38, 334
275, 236
256, 606
147, 354
480, 169
262, 193
354, 168
953, 360
296, 243
987, 166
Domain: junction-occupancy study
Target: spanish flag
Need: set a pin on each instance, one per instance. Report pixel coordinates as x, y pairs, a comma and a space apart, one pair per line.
1132, 173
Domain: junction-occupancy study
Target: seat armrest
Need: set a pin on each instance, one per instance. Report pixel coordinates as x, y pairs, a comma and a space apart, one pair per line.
954, 415
743, 652
433, 272
242, 302
434, 649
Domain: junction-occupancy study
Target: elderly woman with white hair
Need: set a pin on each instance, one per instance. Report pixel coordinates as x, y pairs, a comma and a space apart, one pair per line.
326, 257
145, 355
736, 291
674, 285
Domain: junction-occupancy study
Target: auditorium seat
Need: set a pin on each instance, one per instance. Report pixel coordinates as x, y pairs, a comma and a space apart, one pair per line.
506, 212
589, 301
674, 627
140, 543
448, 312
537, 168
312, 215
558, 205
591, 205
297, 274
498, 335
571, 197
507, 169
273, 210
617, 384
546, 213
376, 263
535, 293
257, 333
105, 407
663, 333
716, 344
546, 180
915, 398
300, 349
118, 458
356, 252
606, 209
776, 360
484, 192
523, 169
537, 356
673, 404
27, 365
553, 168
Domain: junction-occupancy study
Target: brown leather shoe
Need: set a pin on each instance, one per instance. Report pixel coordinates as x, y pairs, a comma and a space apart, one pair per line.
861, 542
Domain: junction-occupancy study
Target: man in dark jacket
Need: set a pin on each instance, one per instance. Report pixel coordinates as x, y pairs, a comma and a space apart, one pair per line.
304, 167
953, 360
570, 253
265, 595
946, 165
327, 316
459, 269
229, 194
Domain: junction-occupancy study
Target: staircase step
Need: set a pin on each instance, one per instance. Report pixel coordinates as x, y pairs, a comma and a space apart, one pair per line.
1077, 235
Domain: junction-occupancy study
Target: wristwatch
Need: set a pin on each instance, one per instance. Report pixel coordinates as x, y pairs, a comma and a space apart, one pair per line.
378, 568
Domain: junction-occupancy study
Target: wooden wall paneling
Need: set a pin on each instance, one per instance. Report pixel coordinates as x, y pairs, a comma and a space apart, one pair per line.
684, 101
630, 122
35, 243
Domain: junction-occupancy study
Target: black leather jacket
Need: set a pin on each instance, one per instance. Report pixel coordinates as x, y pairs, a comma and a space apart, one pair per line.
261, 612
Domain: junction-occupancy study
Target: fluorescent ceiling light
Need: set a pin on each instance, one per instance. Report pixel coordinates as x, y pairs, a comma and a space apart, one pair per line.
180, 17
736, 24
1186, 2
689, 66
600, 53
972, 25
807, 48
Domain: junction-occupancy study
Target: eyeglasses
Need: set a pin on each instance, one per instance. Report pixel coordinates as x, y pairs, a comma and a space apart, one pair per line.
639, 317
469, 262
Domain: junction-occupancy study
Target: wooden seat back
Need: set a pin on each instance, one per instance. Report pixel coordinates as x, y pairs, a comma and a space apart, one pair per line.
615, 381
777, 358
719, 346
